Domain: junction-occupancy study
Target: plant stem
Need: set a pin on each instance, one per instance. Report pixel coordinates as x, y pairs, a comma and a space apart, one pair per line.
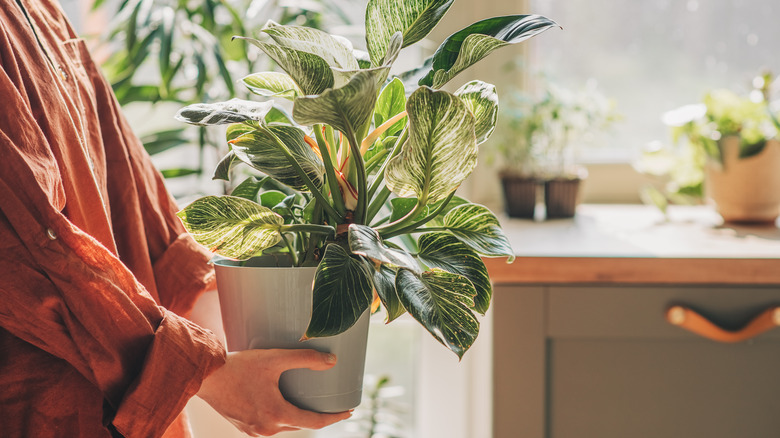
354, 147
335, 192
377, 203
380, 175
308, 228
309, 183
293, 253
371, 138
375, 160
410, 228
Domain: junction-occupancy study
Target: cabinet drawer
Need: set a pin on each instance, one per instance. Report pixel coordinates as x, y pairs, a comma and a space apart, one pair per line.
639, 312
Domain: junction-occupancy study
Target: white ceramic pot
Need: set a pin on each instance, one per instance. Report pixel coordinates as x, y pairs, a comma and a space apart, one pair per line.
746, 189
265, 306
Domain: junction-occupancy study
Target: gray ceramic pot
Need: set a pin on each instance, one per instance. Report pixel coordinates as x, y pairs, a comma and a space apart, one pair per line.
267, 305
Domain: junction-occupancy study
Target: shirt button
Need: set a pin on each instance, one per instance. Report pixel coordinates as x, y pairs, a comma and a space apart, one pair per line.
63, 73
51, 234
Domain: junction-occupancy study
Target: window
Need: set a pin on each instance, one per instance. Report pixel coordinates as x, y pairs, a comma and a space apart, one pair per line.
656, 55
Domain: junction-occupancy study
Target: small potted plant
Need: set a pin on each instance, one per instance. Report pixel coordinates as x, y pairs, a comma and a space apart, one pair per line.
724, 148
545, 131
364, 166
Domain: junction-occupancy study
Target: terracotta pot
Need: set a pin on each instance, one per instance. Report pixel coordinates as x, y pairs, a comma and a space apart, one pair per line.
519, 195
265, 306
561, 196
745, 189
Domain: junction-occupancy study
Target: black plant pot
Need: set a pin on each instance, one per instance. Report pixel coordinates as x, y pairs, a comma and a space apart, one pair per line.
519, 196
561, 196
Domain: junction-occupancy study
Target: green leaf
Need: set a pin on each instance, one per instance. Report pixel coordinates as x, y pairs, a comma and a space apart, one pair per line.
166, 29
391, 102
470, 45
163, 140
310, 72
276, 150
365, 241
248, 189
347, 108
441, 151
278, 115
224, 166
482, 100
402, 207
306, 39
384, 284
444, 251
272, 84
413, 18
478, 227
342, 292
221, 113
230, 226
178, 172
271, 198
441, 302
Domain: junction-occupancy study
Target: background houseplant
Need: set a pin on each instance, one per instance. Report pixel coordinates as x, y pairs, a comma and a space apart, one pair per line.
542, 137
365, 164
726, 148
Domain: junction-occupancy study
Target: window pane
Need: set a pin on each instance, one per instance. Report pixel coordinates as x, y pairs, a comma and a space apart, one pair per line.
655, 55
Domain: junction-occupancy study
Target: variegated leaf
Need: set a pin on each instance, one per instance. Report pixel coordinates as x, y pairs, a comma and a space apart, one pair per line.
310, 72
278, 151
225, 165
347, 108
336, 51
441, 302
272, 84
468, 46
230, 226
342, 292
222, 113
481, 98
441, 151
478, 228
391, 102
413, 18
444, 251
343, 76
384, 284
365, 241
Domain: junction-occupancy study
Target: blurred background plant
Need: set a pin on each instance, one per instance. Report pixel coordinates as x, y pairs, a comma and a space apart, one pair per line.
165, 54
543, 130
697, 131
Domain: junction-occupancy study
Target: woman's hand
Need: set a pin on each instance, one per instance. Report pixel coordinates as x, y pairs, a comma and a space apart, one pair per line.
246, 391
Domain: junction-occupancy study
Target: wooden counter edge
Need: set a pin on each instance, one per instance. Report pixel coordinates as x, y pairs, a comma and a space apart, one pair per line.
633, 270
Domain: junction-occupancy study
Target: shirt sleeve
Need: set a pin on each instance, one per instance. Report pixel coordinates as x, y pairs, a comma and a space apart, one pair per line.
65, 293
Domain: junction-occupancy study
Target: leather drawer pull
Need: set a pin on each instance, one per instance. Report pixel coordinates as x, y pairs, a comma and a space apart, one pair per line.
690, 320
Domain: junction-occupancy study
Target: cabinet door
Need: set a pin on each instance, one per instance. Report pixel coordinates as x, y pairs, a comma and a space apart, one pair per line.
617, 369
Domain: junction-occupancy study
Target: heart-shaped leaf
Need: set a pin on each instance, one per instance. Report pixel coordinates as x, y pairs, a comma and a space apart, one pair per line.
230, 226
478, 227
384, 284
365, 241
444, 251
441, 302
311, 73
222, 113
468, 46
272, 84
224, 166
342, 292
391, 102
413, 18
441, 151
481, 98
337, 52
347, 108
282, 153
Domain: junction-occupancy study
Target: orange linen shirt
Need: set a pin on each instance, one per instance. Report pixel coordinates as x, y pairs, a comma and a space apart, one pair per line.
95, 268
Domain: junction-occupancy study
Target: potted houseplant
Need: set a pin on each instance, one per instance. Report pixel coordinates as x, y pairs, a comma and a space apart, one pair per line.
545, 131
366, 168
724, 148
